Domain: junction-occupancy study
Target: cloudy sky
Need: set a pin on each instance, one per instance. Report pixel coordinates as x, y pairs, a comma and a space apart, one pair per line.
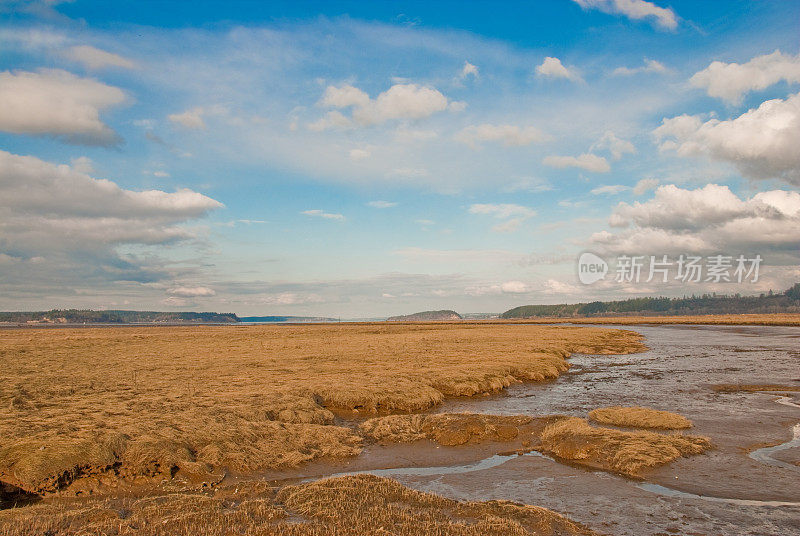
362, 159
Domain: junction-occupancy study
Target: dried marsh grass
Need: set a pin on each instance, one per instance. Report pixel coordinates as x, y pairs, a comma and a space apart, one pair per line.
639, 417
347, 506
104, 404
628, 453
447, 429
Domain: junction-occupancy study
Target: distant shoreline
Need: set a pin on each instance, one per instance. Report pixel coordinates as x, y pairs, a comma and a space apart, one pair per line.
757, 319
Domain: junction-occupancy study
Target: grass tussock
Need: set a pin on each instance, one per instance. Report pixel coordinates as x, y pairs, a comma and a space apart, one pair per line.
628, 453
639, 417
104, 404
346, 506
447, 429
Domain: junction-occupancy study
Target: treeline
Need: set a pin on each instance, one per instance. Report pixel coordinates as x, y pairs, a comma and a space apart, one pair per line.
80, 316
785, 302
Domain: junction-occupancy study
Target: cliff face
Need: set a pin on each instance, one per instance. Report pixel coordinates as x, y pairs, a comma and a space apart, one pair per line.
427, 316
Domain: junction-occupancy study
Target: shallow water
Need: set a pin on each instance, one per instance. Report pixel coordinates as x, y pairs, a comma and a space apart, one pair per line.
750, 483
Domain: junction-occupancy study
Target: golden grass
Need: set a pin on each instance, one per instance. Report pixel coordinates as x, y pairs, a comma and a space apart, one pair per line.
767, 319
447, 429
157, 403
628, 453
639, 417
752, 388
345, 506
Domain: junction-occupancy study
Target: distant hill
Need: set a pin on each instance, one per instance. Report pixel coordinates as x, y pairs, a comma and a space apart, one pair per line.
81, 316
426, 316
785, 302
277, 319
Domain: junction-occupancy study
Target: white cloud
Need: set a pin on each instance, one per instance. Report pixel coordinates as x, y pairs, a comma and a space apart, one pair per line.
381, 204
57, 103
555, 287
514, 214
650, 66
77, 223
527, 184
610, 189
191, 119
82, 164
587, 161
359, 154
616, 146
645, 185
634, 9
161, 174
401, 101
502, 210
322, 214
191, 292
515, 287
94, 58
468, 70
731, 81
509, 135
332, 119
762, 142
508, 287
553, 68
711, 218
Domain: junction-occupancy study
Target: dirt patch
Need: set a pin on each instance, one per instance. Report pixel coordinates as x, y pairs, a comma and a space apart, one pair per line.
628, 453
639, 417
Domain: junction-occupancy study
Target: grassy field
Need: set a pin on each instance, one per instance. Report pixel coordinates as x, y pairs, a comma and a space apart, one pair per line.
81, 408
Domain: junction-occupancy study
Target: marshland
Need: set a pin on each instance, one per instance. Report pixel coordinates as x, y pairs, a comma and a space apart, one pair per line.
421, 428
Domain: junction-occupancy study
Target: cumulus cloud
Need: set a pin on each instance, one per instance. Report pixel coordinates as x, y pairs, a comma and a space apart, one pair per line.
614, 145
191, 292
650, 66
634, 9
707, 219
317, 213
401, 101
587, 161
761, 143
94, 58
191, 119
57, 103
731, 81
509, 135
645, 185
553, 68
76, 222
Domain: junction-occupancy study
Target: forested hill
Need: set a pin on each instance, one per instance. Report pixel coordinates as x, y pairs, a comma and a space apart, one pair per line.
80, 316
785, 302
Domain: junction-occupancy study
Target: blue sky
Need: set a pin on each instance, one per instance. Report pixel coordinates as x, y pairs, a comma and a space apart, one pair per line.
362, 159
